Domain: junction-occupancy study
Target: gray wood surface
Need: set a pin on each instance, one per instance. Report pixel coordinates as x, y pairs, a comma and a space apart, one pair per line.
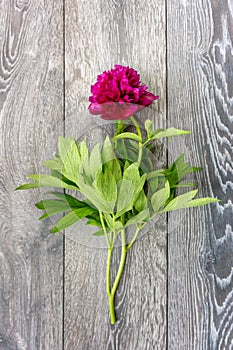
200, 260
176, 291
31, 90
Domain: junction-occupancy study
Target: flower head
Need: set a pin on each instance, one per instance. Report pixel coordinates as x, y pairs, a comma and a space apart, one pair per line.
118, 94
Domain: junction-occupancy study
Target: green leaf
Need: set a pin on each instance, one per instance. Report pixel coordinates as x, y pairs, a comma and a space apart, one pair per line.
44, 180
66, 147
202, 201
53, 204
95, 161
186, 184
128, 135
155, 173
85, 172
109, 220
169, 132
69, 153
148, 127
70, 219
106, 185
83, 150
93, 222
181, 201
99, 233
139, 186
65, 203
125, 198
107, 151
113, 166
196, 168
94, 218
53, 164
128, 190
178, 170
160, 197
139, 218
126, 165
132, 175
141, 201
111, 223
61, 177
95, 197
121, 149
153, 185
52, 207
132, 149
70, 200
27, 186
118, 226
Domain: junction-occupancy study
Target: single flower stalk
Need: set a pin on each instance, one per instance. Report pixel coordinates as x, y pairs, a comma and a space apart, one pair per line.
118, 179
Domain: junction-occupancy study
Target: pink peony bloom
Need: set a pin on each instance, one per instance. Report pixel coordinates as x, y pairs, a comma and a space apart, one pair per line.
118, 94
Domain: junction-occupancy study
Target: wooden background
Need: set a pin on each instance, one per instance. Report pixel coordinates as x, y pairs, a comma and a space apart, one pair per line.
177, 289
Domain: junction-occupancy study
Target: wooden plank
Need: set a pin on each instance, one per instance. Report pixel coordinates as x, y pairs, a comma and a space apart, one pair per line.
31, 95
100, 33
200, 299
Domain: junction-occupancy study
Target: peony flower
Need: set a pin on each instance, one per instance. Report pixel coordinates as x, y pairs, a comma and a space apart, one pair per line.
118, 94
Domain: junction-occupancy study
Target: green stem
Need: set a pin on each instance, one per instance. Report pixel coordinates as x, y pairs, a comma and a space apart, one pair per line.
140, 147
111, 295
138, 230
146, 142
108, 288
133, 239
104, 228
119, 127
137, 127
122, 262
111, 309
108, 275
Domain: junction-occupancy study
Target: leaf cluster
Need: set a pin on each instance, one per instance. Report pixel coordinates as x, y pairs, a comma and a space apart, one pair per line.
119, 187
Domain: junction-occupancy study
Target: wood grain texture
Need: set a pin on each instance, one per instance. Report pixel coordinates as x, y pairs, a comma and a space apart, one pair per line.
31, 90
200, 51
100, 33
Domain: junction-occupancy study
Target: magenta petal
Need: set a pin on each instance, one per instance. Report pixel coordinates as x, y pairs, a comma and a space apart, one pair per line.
119, 111
147, 99
95, 108
120, 85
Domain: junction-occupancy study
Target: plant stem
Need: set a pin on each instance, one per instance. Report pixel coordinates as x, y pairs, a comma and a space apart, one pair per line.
108, 275
108, 287
133, 239
104, 228
111, 308
140, 147
119, 127
137, 127
122, 262
111, 294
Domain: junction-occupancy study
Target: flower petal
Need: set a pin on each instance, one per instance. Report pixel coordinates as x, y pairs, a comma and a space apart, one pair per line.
119, 85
